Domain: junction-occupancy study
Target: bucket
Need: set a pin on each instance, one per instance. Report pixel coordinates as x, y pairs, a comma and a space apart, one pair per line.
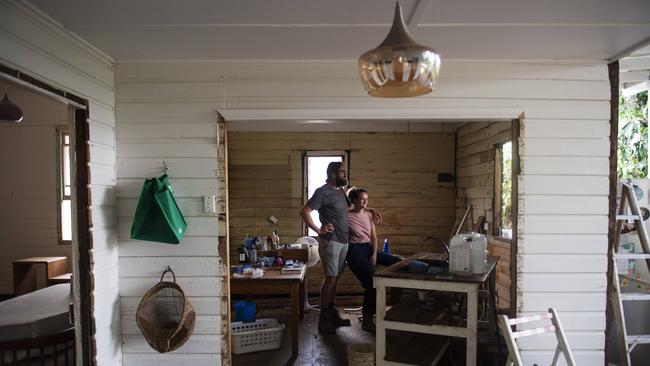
245, 311
361, 354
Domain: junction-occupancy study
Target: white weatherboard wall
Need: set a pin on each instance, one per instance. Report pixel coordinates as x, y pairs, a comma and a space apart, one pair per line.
36, 45
189, 145
564, 152
28, 188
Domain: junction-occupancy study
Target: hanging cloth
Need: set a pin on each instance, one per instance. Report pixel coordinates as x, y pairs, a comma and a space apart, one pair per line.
157, 216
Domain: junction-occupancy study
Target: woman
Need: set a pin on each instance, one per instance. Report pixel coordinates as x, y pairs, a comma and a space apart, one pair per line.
362, 254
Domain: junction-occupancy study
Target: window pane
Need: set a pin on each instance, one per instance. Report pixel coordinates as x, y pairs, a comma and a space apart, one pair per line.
66, 167
506, 190
66, 139
66, 220
316, 177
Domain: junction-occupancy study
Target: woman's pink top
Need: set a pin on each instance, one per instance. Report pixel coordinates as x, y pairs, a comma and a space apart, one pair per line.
360, 226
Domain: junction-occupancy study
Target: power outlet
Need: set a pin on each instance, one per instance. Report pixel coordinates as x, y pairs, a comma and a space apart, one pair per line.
209, 204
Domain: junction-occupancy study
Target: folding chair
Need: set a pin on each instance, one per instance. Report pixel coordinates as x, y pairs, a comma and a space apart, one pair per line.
514, 358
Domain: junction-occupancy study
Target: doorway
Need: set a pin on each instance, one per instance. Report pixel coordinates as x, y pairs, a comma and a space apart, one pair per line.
54, 196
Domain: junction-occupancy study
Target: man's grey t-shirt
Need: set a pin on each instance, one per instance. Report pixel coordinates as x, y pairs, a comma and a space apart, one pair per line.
332, 207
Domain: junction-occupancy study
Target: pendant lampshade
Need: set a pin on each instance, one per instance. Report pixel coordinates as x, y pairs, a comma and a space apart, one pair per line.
9, 112
399, 67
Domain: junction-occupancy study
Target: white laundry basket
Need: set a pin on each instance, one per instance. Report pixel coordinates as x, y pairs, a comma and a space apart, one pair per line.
260, 335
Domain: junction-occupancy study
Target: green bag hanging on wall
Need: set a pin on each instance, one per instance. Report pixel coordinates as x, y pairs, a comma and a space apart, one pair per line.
157, 216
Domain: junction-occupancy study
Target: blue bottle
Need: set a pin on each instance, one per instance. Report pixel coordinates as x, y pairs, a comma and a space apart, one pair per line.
386, 246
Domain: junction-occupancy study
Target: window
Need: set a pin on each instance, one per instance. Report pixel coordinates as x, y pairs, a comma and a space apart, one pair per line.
503, 190
315, 175
64, 187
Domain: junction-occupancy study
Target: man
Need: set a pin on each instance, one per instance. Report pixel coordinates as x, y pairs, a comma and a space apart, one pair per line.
332, 204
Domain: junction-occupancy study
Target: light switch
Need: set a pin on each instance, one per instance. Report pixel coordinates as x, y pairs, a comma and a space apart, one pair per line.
209, 204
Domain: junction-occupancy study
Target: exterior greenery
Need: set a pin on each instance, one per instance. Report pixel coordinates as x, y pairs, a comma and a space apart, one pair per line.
633, 136
506, 186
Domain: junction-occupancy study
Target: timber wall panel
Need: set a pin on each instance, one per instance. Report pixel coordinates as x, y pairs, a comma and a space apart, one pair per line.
475, 187
28, 189
192, 147
399, 170
37, 46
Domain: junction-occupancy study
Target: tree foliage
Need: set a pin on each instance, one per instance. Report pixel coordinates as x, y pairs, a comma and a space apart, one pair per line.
633, 136
506, 186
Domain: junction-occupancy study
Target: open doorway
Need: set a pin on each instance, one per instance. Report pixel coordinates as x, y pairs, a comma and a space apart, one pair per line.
45, 228
421, 180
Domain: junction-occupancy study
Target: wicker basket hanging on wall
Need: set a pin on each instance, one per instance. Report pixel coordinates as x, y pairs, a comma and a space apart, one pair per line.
165, 316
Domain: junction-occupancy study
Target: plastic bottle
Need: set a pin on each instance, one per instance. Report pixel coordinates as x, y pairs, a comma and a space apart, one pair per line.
386, 246
252, 254
243, 254
275, 240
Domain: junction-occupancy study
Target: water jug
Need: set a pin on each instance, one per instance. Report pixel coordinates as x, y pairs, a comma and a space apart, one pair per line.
478, 253
459, 254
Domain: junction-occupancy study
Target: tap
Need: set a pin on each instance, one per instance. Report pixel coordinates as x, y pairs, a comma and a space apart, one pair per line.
442, 242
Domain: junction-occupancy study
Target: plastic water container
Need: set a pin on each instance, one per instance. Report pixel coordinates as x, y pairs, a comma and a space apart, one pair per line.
459, 254
478, 253
245, 311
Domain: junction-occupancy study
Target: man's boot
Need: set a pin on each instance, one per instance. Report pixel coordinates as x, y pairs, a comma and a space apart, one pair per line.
325, 323
336, 318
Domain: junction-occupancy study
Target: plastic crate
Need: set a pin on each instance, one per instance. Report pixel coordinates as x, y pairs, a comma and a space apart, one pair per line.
261, 335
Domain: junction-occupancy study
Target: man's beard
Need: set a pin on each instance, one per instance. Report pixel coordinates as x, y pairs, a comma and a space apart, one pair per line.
341, 182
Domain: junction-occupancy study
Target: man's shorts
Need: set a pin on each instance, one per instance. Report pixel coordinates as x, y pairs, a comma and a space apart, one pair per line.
332, 255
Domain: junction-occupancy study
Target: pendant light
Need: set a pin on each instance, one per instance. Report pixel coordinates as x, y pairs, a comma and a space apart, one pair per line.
399, 67
9, 112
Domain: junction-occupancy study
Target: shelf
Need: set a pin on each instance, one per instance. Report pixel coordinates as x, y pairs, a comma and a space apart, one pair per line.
415, 349
410, 310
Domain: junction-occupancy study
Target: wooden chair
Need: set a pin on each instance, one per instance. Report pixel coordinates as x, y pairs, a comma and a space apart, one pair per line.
514, 358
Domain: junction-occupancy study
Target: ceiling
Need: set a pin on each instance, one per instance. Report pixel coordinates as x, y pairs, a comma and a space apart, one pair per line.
130, 30
634, 73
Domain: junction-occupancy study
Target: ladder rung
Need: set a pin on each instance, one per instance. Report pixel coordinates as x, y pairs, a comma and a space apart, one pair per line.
629, 217
631, 256
642, 339
634, 296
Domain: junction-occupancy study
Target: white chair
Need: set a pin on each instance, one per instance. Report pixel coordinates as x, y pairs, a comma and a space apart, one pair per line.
313, 257
514, 358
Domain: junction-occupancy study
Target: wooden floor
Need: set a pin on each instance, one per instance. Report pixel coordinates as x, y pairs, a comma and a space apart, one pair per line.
315, 348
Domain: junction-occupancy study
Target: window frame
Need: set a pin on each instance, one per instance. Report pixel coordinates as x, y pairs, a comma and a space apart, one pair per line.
61, 132
344, 154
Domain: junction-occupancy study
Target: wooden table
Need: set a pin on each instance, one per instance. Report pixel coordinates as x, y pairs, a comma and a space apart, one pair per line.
38, 313
393, 276
275, 283
34, 273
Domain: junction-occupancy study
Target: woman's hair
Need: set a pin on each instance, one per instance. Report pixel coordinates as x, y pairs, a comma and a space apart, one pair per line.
355, 193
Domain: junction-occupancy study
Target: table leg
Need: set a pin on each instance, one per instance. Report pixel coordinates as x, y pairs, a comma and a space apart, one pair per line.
472, 324
493, 303
380, 330
303, 296
294, 319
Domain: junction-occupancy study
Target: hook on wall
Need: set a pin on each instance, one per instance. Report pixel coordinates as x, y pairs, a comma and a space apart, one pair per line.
166, 169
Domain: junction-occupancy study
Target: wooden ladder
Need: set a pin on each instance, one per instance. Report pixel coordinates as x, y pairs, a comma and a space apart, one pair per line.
627, 343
